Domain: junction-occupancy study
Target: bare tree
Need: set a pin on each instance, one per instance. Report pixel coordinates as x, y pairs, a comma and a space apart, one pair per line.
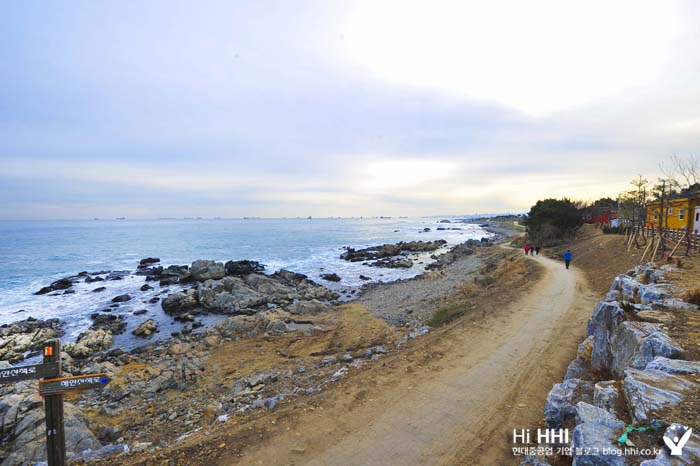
682, 172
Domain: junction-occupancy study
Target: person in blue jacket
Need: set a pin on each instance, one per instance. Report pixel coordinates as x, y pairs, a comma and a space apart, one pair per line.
567, 258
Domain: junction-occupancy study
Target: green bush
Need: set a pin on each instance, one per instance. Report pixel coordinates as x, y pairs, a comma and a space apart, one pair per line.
552, 219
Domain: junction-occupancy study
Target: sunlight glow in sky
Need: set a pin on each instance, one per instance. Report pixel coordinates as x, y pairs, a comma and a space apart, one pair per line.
274, 108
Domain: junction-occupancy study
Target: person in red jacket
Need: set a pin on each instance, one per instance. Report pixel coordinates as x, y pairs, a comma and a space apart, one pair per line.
527, 249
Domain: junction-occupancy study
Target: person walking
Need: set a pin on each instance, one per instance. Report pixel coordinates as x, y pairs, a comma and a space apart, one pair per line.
537, 250
532, 250
567, 258
527, 249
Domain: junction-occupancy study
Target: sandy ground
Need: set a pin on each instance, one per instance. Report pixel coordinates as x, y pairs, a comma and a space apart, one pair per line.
458, 401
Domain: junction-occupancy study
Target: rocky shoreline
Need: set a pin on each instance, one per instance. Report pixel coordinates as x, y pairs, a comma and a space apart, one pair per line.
250, 304
628, 372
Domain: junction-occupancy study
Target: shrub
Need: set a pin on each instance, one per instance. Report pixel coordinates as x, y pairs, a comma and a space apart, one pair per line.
552, 219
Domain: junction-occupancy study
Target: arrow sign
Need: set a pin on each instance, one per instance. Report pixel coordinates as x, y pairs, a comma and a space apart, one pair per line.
70, 384
37, 371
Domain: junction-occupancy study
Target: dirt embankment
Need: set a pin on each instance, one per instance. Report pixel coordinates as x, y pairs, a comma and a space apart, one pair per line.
601, 257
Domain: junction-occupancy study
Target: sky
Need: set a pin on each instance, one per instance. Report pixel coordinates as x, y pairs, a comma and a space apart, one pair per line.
338, 108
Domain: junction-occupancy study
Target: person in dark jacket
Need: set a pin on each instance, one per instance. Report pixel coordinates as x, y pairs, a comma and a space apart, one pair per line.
537, 250
567, 258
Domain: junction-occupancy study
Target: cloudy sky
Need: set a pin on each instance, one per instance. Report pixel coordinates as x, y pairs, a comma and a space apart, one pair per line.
233, 108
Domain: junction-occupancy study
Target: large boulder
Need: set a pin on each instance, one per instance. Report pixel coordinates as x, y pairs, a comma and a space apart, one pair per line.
26, 430
89, 342
62, 284
650, 390
674, 366
230, 295
203, 270
559, 409
235, 326
596, 431
180, 302
606, 396
242, 268
635, 344
602, 325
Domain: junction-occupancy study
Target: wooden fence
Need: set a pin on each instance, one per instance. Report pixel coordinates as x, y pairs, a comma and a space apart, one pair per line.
673, 239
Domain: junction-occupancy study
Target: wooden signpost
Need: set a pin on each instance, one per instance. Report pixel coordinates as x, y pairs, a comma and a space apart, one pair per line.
52, 387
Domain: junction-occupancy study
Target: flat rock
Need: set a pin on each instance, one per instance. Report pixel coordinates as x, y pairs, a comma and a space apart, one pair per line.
650, 390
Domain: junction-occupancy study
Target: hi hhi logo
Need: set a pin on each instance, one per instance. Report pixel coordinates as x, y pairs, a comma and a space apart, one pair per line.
544, 436
676, 437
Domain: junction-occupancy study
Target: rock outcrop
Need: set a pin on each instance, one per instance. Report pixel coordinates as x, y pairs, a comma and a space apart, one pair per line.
28, 335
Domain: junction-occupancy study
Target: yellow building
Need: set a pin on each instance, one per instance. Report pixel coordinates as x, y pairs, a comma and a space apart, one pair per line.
682, 213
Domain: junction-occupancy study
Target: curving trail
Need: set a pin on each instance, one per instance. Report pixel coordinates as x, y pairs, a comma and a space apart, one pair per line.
460, 409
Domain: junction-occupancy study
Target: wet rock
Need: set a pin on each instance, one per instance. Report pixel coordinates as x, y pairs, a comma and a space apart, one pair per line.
242, 268
635, 344
122, 298
143, 263
140, 312
115, 324
94, 279
389, 250
559, 410
392, 263
650, 390
117, 274
146, 329
203, 270
146, 287
365, 278
99, 289
179, 302
331, 277
62, 284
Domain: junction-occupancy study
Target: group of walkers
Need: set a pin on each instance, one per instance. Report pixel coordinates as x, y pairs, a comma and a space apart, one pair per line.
534, 250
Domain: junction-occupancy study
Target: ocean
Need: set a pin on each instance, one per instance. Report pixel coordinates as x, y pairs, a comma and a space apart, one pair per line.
35, 253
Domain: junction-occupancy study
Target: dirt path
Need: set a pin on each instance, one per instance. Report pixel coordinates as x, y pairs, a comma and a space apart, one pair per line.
458, 403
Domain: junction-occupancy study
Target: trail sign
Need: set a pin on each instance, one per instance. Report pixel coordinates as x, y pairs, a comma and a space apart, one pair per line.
36, 371
70, 384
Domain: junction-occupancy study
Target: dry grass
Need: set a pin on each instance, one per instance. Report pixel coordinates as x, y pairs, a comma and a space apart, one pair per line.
510, 273
692, 296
